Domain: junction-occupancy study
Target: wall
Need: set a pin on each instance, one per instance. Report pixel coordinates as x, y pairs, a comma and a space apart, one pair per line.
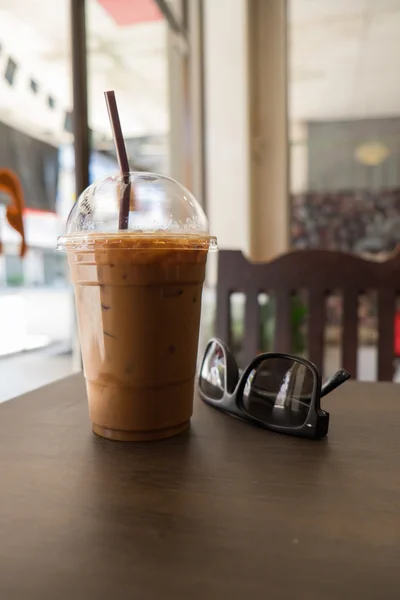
332, 155
298, 158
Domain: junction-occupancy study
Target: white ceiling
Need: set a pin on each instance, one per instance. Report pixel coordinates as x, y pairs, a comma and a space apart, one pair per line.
344, 63
130, 59
344, 59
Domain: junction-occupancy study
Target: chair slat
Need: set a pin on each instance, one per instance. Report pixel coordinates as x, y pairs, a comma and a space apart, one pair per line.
223, 315
251, 345
350, 331
283, 329
386, 315
316, 327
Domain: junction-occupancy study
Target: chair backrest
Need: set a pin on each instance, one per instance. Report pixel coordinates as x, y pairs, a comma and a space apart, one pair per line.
319, 272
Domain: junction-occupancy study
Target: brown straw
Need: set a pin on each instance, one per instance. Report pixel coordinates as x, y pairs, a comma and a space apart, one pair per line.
122, 158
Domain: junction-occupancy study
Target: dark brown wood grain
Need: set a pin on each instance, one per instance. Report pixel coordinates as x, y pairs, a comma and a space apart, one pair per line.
283, 331
224, 308
316, 326
318, 272
251, 321
225, 511
350, 332
386, 309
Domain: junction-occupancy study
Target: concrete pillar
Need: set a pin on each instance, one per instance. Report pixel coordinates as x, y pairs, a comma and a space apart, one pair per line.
247, 158
227, 121
269, 172
178, 102
178, 143
196, 99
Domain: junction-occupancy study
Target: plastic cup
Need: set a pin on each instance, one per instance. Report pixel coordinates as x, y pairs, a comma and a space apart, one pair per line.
138, 301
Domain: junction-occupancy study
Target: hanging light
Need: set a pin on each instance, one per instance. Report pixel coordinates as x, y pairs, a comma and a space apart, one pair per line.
371, 154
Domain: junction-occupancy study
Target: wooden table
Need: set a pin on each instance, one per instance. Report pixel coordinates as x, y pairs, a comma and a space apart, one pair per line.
226, 511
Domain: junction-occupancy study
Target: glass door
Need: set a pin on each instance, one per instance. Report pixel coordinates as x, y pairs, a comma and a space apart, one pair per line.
36, 156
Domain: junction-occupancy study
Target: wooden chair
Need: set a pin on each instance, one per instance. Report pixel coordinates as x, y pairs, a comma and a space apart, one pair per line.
319, 272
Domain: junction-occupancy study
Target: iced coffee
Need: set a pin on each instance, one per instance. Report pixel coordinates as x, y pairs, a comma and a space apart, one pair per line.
138, 300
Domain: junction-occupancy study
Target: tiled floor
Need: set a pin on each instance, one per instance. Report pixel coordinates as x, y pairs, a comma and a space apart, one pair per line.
24, 372
34, 317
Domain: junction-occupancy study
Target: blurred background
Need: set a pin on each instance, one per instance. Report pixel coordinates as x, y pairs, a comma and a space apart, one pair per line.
282, 117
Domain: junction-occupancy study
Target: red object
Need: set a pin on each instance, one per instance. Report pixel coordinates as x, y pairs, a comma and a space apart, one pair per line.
39, 211
131, 12
397, 334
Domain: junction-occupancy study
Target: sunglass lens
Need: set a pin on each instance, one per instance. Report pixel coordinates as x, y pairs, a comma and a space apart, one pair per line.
279, 392
212, 376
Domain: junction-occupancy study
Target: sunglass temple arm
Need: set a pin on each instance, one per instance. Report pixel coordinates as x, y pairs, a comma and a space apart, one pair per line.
337, 379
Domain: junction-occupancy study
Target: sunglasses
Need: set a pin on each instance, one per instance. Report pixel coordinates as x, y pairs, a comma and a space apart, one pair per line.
279, 392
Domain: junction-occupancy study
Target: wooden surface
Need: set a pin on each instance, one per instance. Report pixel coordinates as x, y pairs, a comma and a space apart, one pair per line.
226, 511
316, 274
